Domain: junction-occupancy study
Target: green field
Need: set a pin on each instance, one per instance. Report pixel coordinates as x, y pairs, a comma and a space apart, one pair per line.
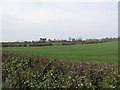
101, 52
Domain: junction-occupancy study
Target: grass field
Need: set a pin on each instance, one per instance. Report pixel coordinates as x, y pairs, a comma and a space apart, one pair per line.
102, 52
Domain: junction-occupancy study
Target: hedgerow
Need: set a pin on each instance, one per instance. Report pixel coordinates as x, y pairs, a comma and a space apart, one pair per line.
30, 72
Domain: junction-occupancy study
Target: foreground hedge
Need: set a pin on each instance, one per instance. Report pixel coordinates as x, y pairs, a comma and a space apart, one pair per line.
30, 72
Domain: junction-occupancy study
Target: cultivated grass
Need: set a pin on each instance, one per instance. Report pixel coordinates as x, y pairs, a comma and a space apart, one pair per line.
101, 52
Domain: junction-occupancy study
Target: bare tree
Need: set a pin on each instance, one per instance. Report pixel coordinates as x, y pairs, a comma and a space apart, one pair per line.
70, 38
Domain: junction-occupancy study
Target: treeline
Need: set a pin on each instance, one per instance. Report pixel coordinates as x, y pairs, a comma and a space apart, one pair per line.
24, 45
89, 41
70, 39
49, 42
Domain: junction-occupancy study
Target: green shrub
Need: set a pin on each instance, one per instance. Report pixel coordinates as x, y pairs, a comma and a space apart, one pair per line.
29, 72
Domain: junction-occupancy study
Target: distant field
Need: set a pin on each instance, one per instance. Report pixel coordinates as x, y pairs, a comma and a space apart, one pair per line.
102, 52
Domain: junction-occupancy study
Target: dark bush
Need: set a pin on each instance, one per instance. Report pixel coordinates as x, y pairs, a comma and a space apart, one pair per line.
29, 72
68, 44
40, 45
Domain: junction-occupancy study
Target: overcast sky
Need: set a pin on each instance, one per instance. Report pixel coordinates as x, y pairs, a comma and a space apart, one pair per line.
32, 19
